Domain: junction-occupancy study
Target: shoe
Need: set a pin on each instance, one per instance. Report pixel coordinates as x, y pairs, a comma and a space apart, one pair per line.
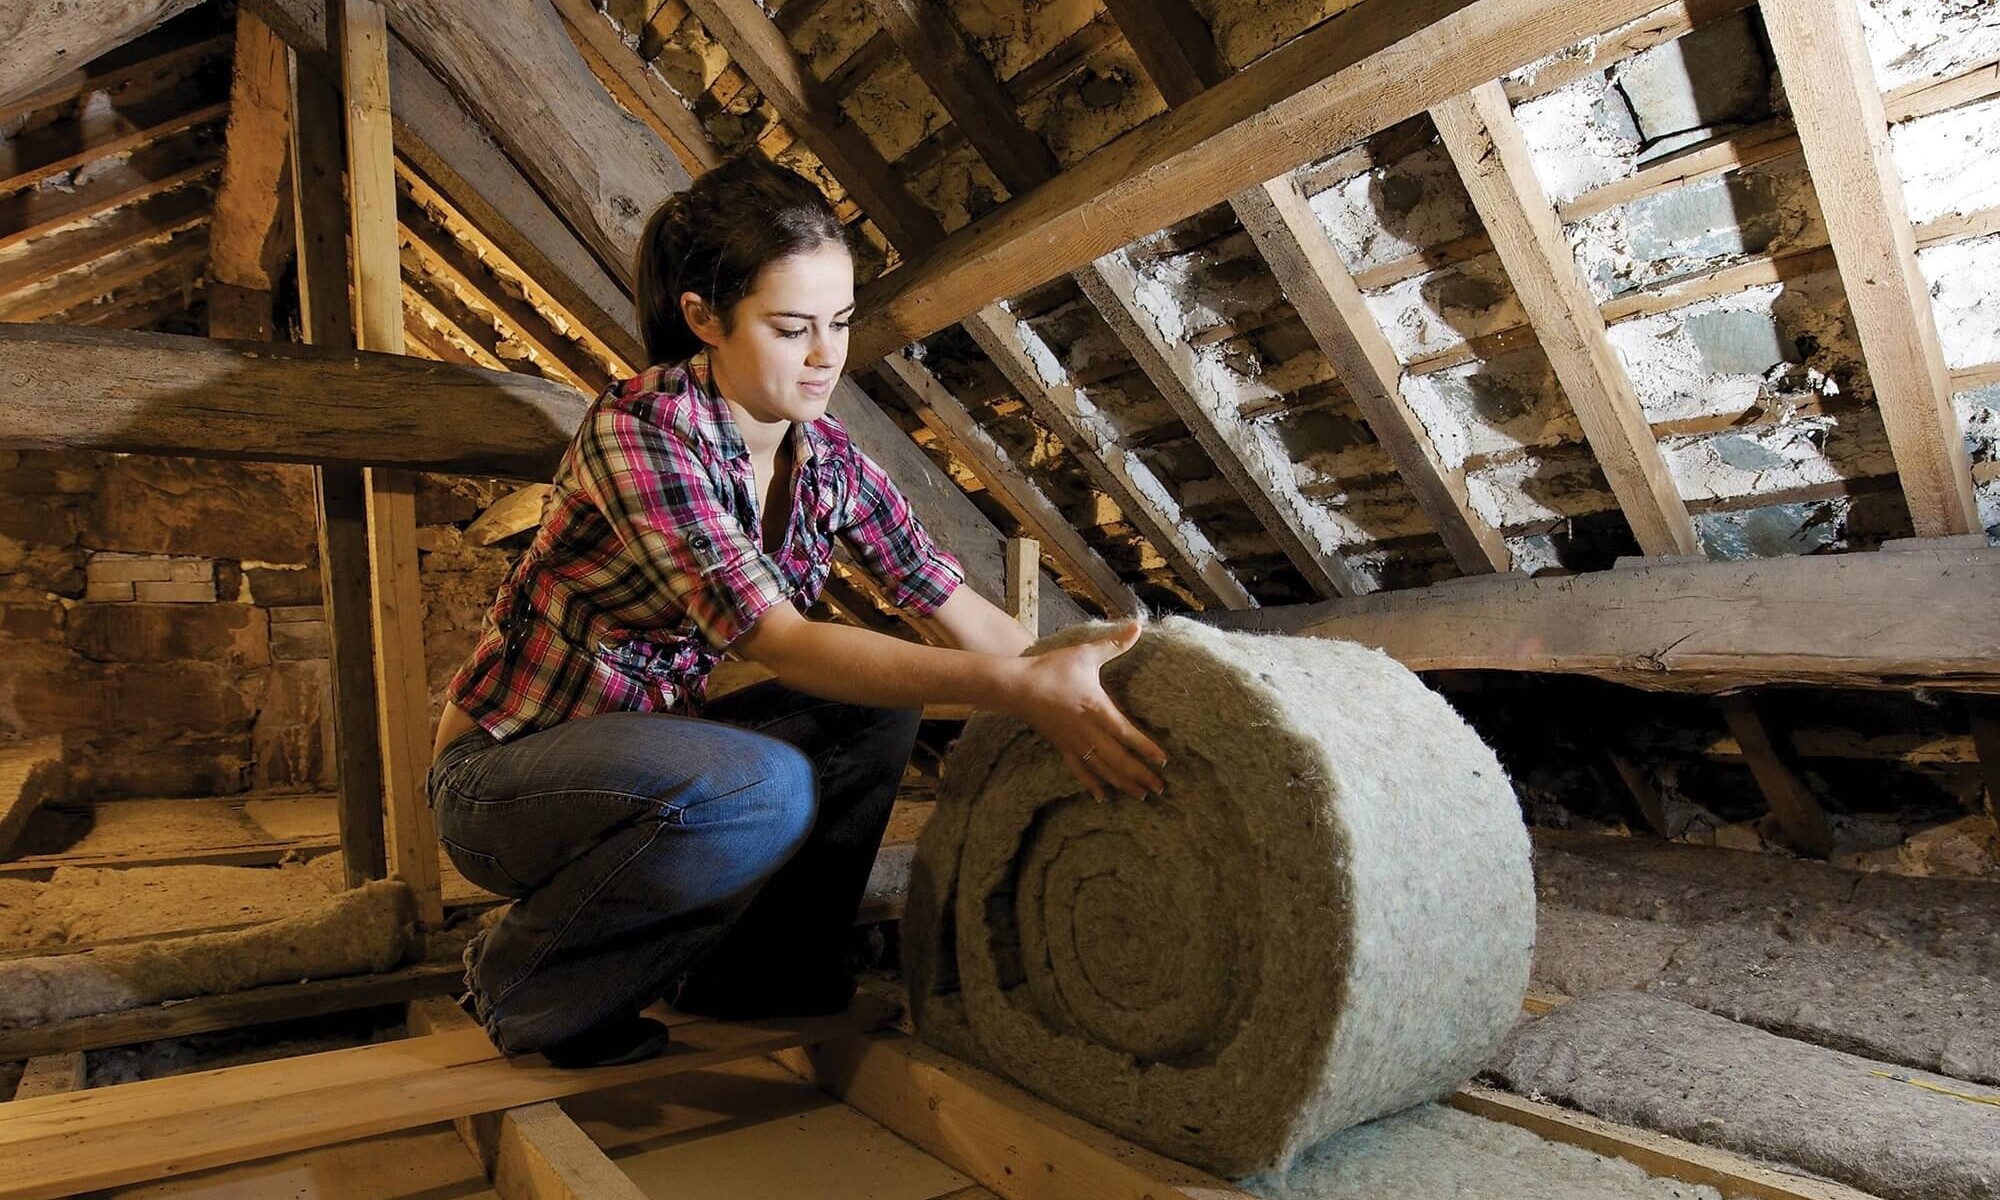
616, 1042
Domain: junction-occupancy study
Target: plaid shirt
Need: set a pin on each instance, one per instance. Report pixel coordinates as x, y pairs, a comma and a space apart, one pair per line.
649, 561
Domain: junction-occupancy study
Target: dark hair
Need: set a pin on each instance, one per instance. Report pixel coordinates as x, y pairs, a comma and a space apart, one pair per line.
714, 239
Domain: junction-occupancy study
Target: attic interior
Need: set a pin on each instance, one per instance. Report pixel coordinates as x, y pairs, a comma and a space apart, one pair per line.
1628, 372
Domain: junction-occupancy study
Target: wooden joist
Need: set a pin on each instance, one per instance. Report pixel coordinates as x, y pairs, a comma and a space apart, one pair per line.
1006, 482
1247, 456
1657, 28
150, 220
1485, 143
1360, 71
141, 257
245, 244
59, 1145
1837, 104
1900, 618
1139, 494
635, 84
39, 43
985, 1127
1797, 812
1313, 277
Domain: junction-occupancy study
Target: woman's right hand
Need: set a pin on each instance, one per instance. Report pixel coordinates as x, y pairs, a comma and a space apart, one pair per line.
1060, 697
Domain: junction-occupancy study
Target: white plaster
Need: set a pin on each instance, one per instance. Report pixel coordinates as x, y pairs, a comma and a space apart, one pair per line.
1950, 161
1418, 315
1572, 150
1965, 296
1360, 215
1524, 491
1911, 40
1762, 460
1461, 429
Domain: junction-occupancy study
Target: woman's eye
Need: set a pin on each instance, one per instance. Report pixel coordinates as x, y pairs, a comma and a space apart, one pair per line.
791, 333
842, 324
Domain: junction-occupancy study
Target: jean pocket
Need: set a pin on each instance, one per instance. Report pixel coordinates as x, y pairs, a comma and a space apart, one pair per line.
485, 870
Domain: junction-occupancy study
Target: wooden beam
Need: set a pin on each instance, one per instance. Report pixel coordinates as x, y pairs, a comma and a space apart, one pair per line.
1798, 813
1007, 482
144, 175
40, 42
1667, 23
51, 1075
31, 158
1977, 82
1485, 142
985, 1127
517, 512
60, 1145
1116, 471
1310, 272
1179, 54
1024, 573
326, 318
246, 242
1363, 70
1243, 453
1830, 81
145, 58
452, 324
134, 263
1920, 617
402, 684
965, 85
1654, 1153
157, 218
1716, 156
600, 167
761, 50
634, 83
235, 1010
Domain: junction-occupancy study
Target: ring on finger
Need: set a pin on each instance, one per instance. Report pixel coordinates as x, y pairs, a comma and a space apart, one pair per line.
1089, 754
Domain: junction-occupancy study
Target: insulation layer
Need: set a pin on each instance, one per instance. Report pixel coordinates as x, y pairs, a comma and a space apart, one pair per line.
1326, 918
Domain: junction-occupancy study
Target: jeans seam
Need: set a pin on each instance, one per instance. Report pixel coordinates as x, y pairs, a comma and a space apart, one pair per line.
584, 902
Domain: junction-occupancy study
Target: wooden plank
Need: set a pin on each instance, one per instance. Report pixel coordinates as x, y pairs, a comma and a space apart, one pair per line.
402, 687
1485, 143
31, 774
1006, 482
1310, 272
1716, 156
964, 84
144, 174
1112, 467
516, 512
1657, 28
1365, 69
134, 264
1919, 618
246, 243
1654, 1153
762, 52
1174, 46
1244, 454
1977, 82
162, 216
28, 160
985, 1127
236, 1010
642, 92
535, 1152
1830, 81
1024, 573
1792, 803
40, 42
51, 1075
456, 325
326, 318
142, 60
58, 1145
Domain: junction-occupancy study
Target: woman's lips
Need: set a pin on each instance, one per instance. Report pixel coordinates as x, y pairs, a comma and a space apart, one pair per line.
816, 387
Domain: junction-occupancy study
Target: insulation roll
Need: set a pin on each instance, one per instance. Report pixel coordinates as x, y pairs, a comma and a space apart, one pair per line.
1327, 917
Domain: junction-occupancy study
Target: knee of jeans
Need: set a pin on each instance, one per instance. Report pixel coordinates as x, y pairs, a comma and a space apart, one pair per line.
788, 796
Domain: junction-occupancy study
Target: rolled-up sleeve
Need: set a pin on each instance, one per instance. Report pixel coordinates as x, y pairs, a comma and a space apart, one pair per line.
885, 534
675, 525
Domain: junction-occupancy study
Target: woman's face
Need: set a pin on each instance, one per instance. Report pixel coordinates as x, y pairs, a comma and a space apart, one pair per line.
783, 351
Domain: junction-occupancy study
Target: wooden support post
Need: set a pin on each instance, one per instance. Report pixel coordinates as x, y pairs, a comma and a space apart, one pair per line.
320, 222
51, 1075
1492, 157
1830, 82
402, 686
1986, 738
245, 241
1792, 803
1024, 573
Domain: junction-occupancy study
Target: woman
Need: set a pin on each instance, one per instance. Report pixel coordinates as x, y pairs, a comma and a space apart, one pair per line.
641, 831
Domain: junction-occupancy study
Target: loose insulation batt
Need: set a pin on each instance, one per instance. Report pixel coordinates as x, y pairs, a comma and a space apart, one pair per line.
1327, 917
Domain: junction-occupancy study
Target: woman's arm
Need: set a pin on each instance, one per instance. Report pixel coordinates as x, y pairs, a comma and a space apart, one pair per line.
970, 621
1057, 694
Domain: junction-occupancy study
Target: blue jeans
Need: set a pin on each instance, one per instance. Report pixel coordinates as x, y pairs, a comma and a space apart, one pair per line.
636, 846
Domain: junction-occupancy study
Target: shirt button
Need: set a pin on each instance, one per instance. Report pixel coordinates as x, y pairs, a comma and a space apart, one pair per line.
699, 541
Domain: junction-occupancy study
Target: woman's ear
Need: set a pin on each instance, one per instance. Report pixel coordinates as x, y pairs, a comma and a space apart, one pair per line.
701, 318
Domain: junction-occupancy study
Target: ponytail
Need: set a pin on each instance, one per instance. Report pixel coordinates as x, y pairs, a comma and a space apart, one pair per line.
716, 237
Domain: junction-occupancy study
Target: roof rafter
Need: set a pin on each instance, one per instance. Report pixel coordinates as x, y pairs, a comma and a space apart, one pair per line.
1837, 104
39, 43
247, 241
1486, 144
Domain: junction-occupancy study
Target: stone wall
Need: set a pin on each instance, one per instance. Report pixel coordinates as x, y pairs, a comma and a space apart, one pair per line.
163, 617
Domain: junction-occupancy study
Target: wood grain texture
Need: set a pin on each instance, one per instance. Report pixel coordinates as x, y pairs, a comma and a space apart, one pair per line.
1485, 143
42, 41
1915, 618
1830, 82
1358, 72
1799, 815
246, 242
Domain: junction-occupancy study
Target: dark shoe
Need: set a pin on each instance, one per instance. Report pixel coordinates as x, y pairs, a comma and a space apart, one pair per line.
772, 1001
617, 1041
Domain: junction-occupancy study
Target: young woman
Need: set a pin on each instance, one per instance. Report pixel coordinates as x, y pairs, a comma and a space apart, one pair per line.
644, 835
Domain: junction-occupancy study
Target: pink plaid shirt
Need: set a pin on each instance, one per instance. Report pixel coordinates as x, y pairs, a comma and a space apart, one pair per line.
649, 562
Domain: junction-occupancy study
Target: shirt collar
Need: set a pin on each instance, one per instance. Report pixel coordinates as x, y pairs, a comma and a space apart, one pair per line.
719, 424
